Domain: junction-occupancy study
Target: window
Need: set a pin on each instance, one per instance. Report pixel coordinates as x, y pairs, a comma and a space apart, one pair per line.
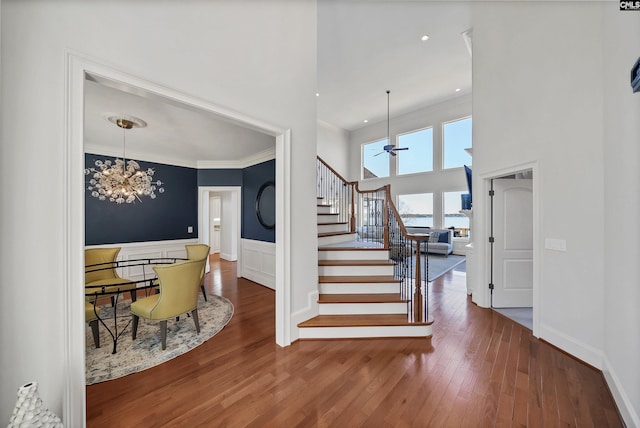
456, 137
452, 215
375, 164
419, 157
416, 209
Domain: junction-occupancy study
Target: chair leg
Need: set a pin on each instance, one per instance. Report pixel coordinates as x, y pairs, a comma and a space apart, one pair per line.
163, 333
134, 327
96, 333
134, 295
204, 293
194, 315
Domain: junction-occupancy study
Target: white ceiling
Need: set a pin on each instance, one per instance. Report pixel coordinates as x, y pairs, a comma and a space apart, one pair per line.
364, 48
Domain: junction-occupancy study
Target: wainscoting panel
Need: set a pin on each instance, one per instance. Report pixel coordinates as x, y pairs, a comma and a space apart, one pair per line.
148, 250
259, 262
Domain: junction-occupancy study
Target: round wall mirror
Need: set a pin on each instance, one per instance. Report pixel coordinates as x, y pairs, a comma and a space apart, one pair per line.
266, 205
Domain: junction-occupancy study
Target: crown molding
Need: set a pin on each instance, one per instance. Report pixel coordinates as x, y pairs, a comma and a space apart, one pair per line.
254, 159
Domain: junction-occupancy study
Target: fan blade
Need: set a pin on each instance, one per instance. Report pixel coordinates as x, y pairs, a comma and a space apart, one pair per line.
401, 148
392, 153
379, 153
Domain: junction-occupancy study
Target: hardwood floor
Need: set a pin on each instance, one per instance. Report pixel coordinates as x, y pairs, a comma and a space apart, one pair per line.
480, 369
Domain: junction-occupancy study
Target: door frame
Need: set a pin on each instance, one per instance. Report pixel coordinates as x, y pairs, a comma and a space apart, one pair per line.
483, 223
77, 67
204, 193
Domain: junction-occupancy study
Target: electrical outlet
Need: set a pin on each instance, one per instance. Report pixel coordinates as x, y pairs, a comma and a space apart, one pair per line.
190, 229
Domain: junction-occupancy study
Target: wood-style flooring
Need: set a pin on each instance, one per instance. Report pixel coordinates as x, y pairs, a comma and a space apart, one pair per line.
480, 369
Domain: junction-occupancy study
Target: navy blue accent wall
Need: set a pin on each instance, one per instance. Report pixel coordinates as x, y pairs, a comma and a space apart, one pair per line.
253, 178
165, 218
219, 177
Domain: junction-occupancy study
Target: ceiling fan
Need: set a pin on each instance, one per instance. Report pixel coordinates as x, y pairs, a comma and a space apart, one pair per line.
390, 148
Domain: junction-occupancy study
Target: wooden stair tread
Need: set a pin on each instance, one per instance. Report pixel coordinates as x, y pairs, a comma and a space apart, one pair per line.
328, 214
324, 205
321, 234
361, 298
332, 223
359, 321
353, 248
357, 279
355, 263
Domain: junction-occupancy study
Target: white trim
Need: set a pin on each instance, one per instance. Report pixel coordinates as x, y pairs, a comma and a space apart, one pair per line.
625, 406
263, 156
311, 310
580, 350
481, 295
203, 226
283, 238
77, 66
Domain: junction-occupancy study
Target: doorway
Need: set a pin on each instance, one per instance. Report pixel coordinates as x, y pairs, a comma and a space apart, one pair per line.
79, 69
511, 246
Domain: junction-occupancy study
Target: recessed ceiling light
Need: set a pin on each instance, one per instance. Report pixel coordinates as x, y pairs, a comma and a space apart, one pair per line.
424, 38
457, 89
366, 121
317, 94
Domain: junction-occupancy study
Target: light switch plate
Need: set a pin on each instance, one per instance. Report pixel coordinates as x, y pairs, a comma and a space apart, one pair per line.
555, 244
190, 229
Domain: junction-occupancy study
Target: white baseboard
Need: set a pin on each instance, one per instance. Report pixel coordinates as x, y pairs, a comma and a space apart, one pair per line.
310, 311
625, 406
229, 257
582, 351
259, 262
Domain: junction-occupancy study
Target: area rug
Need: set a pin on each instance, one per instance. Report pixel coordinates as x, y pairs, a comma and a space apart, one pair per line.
440, 264
146, 350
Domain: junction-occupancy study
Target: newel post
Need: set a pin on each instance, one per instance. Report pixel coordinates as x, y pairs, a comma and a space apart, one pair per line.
417, 296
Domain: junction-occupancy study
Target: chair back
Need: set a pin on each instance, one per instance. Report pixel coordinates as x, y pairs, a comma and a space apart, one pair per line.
198, 252
179, 288
93, 256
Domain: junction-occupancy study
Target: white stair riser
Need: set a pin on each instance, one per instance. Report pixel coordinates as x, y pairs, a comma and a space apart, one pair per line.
363, 308
359, 288
355, 332
324, 210
353, 255
355, 270
327, 218
326, 228
336, 239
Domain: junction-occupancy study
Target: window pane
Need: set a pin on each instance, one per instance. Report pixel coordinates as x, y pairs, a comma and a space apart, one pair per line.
419, 157
416, 209
372, 165
452, 215
457, 137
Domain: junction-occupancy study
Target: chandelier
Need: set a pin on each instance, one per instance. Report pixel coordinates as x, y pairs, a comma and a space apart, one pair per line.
122, 181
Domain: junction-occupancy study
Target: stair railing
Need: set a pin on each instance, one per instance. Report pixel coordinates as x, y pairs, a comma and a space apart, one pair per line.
336, 192
373, 216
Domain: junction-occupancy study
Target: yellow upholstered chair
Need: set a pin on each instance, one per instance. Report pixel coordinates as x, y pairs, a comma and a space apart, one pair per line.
178, 295
104, 273
91, 318
199, 252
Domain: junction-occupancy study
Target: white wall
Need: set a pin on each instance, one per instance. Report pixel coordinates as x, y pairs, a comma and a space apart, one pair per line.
333, 147
435, 182
258, 58
538, 97
622, 200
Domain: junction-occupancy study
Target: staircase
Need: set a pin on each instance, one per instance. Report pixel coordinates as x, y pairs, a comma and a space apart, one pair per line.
359, 296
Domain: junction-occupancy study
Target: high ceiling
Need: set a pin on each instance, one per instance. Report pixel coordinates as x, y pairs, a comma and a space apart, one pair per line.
364, 48
368, 47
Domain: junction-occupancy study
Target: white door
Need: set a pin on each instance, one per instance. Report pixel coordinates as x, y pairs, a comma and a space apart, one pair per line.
513, 243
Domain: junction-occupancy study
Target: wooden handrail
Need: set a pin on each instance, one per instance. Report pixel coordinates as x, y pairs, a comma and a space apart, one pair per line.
336, 173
